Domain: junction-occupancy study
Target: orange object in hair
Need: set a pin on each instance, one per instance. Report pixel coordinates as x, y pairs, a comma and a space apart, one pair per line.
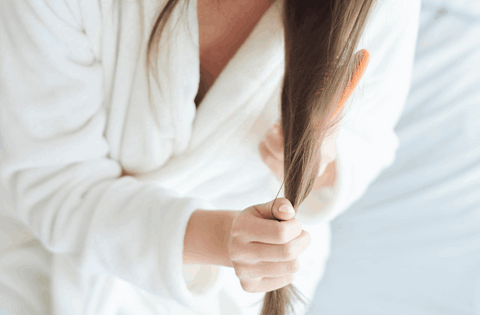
362, 58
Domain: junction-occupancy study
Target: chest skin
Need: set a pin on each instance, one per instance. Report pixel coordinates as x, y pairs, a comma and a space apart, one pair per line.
223, 27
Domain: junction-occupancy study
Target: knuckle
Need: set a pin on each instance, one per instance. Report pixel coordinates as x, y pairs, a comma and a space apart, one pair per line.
239, 235
248, 286
288, 252
282, 234
291, 278
235, 255
238, 257
235, 230
241, 272
294, 266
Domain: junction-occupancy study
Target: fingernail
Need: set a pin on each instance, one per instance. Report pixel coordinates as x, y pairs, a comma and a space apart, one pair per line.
286, 209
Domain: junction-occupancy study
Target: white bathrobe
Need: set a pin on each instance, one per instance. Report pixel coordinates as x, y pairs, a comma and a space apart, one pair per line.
75, 111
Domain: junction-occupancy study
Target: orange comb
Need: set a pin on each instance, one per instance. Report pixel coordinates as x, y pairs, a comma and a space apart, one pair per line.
362, 58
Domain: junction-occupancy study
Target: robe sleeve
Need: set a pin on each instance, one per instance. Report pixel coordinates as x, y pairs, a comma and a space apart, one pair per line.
54, 159
367, 141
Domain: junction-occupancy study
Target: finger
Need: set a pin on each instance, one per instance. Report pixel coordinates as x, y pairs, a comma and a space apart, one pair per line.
267, 269
279, 209
273, 252
266, 284
256, 229
275, 165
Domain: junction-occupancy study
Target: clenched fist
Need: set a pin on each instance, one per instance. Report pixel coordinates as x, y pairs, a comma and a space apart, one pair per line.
265, 244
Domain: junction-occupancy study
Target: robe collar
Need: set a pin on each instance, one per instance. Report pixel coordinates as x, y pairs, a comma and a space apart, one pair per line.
256, 59
221, 109
236, 98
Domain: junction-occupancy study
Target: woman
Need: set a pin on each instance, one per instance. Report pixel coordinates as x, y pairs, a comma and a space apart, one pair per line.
410, 244
115, 170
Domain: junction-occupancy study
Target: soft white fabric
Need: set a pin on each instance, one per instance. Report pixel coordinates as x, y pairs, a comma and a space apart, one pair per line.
367, 141
75, 111
25, 271
411, 244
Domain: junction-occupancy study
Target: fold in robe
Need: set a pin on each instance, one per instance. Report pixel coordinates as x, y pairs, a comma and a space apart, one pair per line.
75, 114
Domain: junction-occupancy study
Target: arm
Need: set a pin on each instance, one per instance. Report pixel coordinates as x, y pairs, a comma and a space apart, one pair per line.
206, 238
54, 159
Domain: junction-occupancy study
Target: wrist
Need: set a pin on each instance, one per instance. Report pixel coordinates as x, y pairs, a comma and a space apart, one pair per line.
229, 217
207, 236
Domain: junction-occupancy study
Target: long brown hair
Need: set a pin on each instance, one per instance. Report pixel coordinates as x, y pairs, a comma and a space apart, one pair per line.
320, 42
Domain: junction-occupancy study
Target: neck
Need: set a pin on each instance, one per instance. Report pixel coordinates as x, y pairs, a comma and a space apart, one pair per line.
232, 7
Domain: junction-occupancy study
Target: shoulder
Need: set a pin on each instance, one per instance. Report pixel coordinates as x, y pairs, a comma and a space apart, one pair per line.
392, 27
395, 11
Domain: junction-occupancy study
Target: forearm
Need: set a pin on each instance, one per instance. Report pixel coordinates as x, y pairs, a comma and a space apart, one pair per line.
207, 236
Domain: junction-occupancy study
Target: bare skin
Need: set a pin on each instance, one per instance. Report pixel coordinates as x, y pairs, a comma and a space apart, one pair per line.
261, 244
223, 27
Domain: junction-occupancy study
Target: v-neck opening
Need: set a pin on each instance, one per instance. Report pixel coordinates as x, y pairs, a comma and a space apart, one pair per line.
226, 66
237, 97
231, 96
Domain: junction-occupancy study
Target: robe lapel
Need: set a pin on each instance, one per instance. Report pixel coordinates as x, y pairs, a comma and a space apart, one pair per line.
230, 107
231, 99
178, 74
158, 118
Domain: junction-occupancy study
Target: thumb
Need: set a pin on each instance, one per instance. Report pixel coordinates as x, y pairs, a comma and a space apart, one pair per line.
280, 209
